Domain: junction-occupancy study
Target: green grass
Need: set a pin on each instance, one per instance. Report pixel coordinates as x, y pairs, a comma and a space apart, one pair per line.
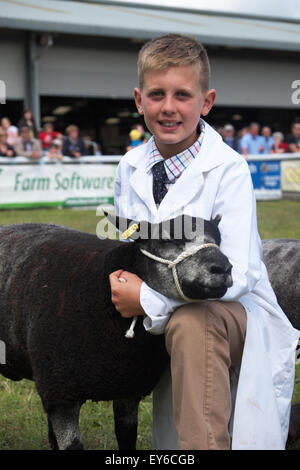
23, 424
278, 219
85, 220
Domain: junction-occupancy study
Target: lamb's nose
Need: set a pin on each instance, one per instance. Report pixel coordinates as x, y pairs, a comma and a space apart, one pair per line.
228, 268
221, 268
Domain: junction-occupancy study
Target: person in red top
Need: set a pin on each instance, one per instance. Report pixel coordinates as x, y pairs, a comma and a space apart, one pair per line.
279, 145
47, 135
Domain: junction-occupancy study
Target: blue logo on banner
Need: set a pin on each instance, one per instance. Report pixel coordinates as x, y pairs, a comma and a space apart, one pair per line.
265, 174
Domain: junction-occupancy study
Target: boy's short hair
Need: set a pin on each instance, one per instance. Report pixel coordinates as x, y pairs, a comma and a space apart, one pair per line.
173, 50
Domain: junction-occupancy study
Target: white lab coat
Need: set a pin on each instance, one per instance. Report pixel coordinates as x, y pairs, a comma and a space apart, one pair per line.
218, 181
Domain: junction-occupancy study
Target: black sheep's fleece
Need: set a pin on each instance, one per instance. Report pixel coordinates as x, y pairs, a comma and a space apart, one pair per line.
59, 324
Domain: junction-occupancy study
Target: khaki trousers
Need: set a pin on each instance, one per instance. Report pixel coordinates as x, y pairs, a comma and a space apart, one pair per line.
204, 340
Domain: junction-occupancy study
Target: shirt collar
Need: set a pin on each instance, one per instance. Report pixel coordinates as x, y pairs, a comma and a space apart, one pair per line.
176, 164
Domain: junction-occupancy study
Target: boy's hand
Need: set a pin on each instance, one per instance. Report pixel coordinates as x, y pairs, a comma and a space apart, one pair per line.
126, 295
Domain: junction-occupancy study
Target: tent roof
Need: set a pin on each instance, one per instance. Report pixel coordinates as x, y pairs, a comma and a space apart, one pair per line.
115, 20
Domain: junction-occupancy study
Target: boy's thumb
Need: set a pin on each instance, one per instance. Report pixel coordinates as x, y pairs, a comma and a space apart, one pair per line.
114, 277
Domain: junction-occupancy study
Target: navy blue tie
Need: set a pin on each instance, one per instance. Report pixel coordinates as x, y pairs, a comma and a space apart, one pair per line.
160, 179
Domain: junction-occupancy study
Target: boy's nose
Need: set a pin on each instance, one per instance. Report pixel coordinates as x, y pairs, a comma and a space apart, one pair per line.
168, 105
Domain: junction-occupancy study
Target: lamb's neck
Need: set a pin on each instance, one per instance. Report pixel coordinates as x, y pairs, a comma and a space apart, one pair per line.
159, 278
166, 287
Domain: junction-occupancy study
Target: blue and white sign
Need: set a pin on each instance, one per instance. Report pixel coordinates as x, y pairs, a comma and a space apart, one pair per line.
266, 178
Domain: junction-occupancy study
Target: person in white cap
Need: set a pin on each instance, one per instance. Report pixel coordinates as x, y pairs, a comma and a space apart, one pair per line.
229, 137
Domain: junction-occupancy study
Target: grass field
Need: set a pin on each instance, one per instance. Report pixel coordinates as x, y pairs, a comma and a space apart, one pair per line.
23, 424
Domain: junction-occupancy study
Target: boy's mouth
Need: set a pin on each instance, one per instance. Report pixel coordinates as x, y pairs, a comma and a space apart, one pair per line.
170, 124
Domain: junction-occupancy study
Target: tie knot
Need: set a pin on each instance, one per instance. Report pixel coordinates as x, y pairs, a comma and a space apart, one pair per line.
159, 171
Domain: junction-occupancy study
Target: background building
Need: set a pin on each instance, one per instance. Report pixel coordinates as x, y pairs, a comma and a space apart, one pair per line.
75, 61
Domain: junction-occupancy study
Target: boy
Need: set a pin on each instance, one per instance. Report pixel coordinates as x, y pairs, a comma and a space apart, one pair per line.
201, 176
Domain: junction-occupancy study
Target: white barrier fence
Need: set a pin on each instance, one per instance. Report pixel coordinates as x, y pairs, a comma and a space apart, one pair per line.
89, 181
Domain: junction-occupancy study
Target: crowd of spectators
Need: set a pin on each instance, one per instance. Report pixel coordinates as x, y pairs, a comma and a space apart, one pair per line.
255, 140
26, 140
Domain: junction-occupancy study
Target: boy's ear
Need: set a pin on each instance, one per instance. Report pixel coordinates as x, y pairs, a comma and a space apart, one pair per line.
210, 97
138, 100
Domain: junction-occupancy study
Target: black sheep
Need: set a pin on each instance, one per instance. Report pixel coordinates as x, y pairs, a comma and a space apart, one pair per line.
60, 327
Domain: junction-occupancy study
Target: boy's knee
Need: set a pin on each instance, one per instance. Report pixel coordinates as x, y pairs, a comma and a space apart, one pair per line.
192, 317
191, 322
184, 318
186, 324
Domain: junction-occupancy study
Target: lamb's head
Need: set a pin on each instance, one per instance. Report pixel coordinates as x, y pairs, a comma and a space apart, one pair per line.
185, 247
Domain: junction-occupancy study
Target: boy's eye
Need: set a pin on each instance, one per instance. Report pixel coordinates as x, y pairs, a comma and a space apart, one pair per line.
183, 94
156, 94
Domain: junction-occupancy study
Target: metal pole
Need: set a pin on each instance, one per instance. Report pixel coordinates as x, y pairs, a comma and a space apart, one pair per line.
32, 95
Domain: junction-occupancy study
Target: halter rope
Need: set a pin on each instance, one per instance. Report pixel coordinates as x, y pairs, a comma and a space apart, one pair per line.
172, 265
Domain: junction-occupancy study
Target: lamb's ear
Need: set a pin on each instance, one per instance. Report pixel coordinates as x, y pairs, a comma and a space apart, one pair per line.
126, 226
121, 223
216, 220
143, 233
130, 229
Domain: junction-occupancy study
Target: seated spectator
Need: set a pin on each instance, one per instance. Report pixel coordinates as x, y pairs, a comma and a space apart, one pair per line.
27, 146
267, 139
47, 135
27, 120
90, 146
73, 145
252, 143
54, 151
293, 139
6, 150
228, 136
279, 145
12, 131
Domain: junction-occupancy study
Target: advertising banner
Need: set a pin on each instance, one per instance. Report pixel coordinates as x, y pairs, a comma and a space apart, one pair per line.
90, 181
266, 178
56, 185
290, 175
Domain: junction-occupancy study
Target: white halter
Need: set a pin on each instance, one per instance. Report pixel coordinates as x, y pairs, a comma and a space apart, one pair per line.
172, 265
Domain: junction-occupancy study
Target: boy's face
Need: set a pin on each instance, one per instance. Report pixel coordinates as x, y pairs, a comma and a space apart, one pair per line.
172, 102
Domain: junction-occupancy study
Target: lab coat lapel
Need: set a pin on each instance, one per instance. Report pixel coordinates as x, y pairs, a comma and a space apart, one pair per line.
189, 183
192, 179
182, 192
140, 180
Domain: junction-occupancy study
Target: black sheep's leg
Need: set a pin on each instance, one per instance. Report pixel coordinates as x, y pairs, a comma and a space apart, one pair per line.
126, 420
51, 436
64, 427
294, 428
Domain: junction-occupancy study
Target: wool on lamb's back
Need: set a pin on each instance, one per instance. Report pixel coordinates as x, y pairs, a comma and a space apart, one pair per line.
282, 259
60, 327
